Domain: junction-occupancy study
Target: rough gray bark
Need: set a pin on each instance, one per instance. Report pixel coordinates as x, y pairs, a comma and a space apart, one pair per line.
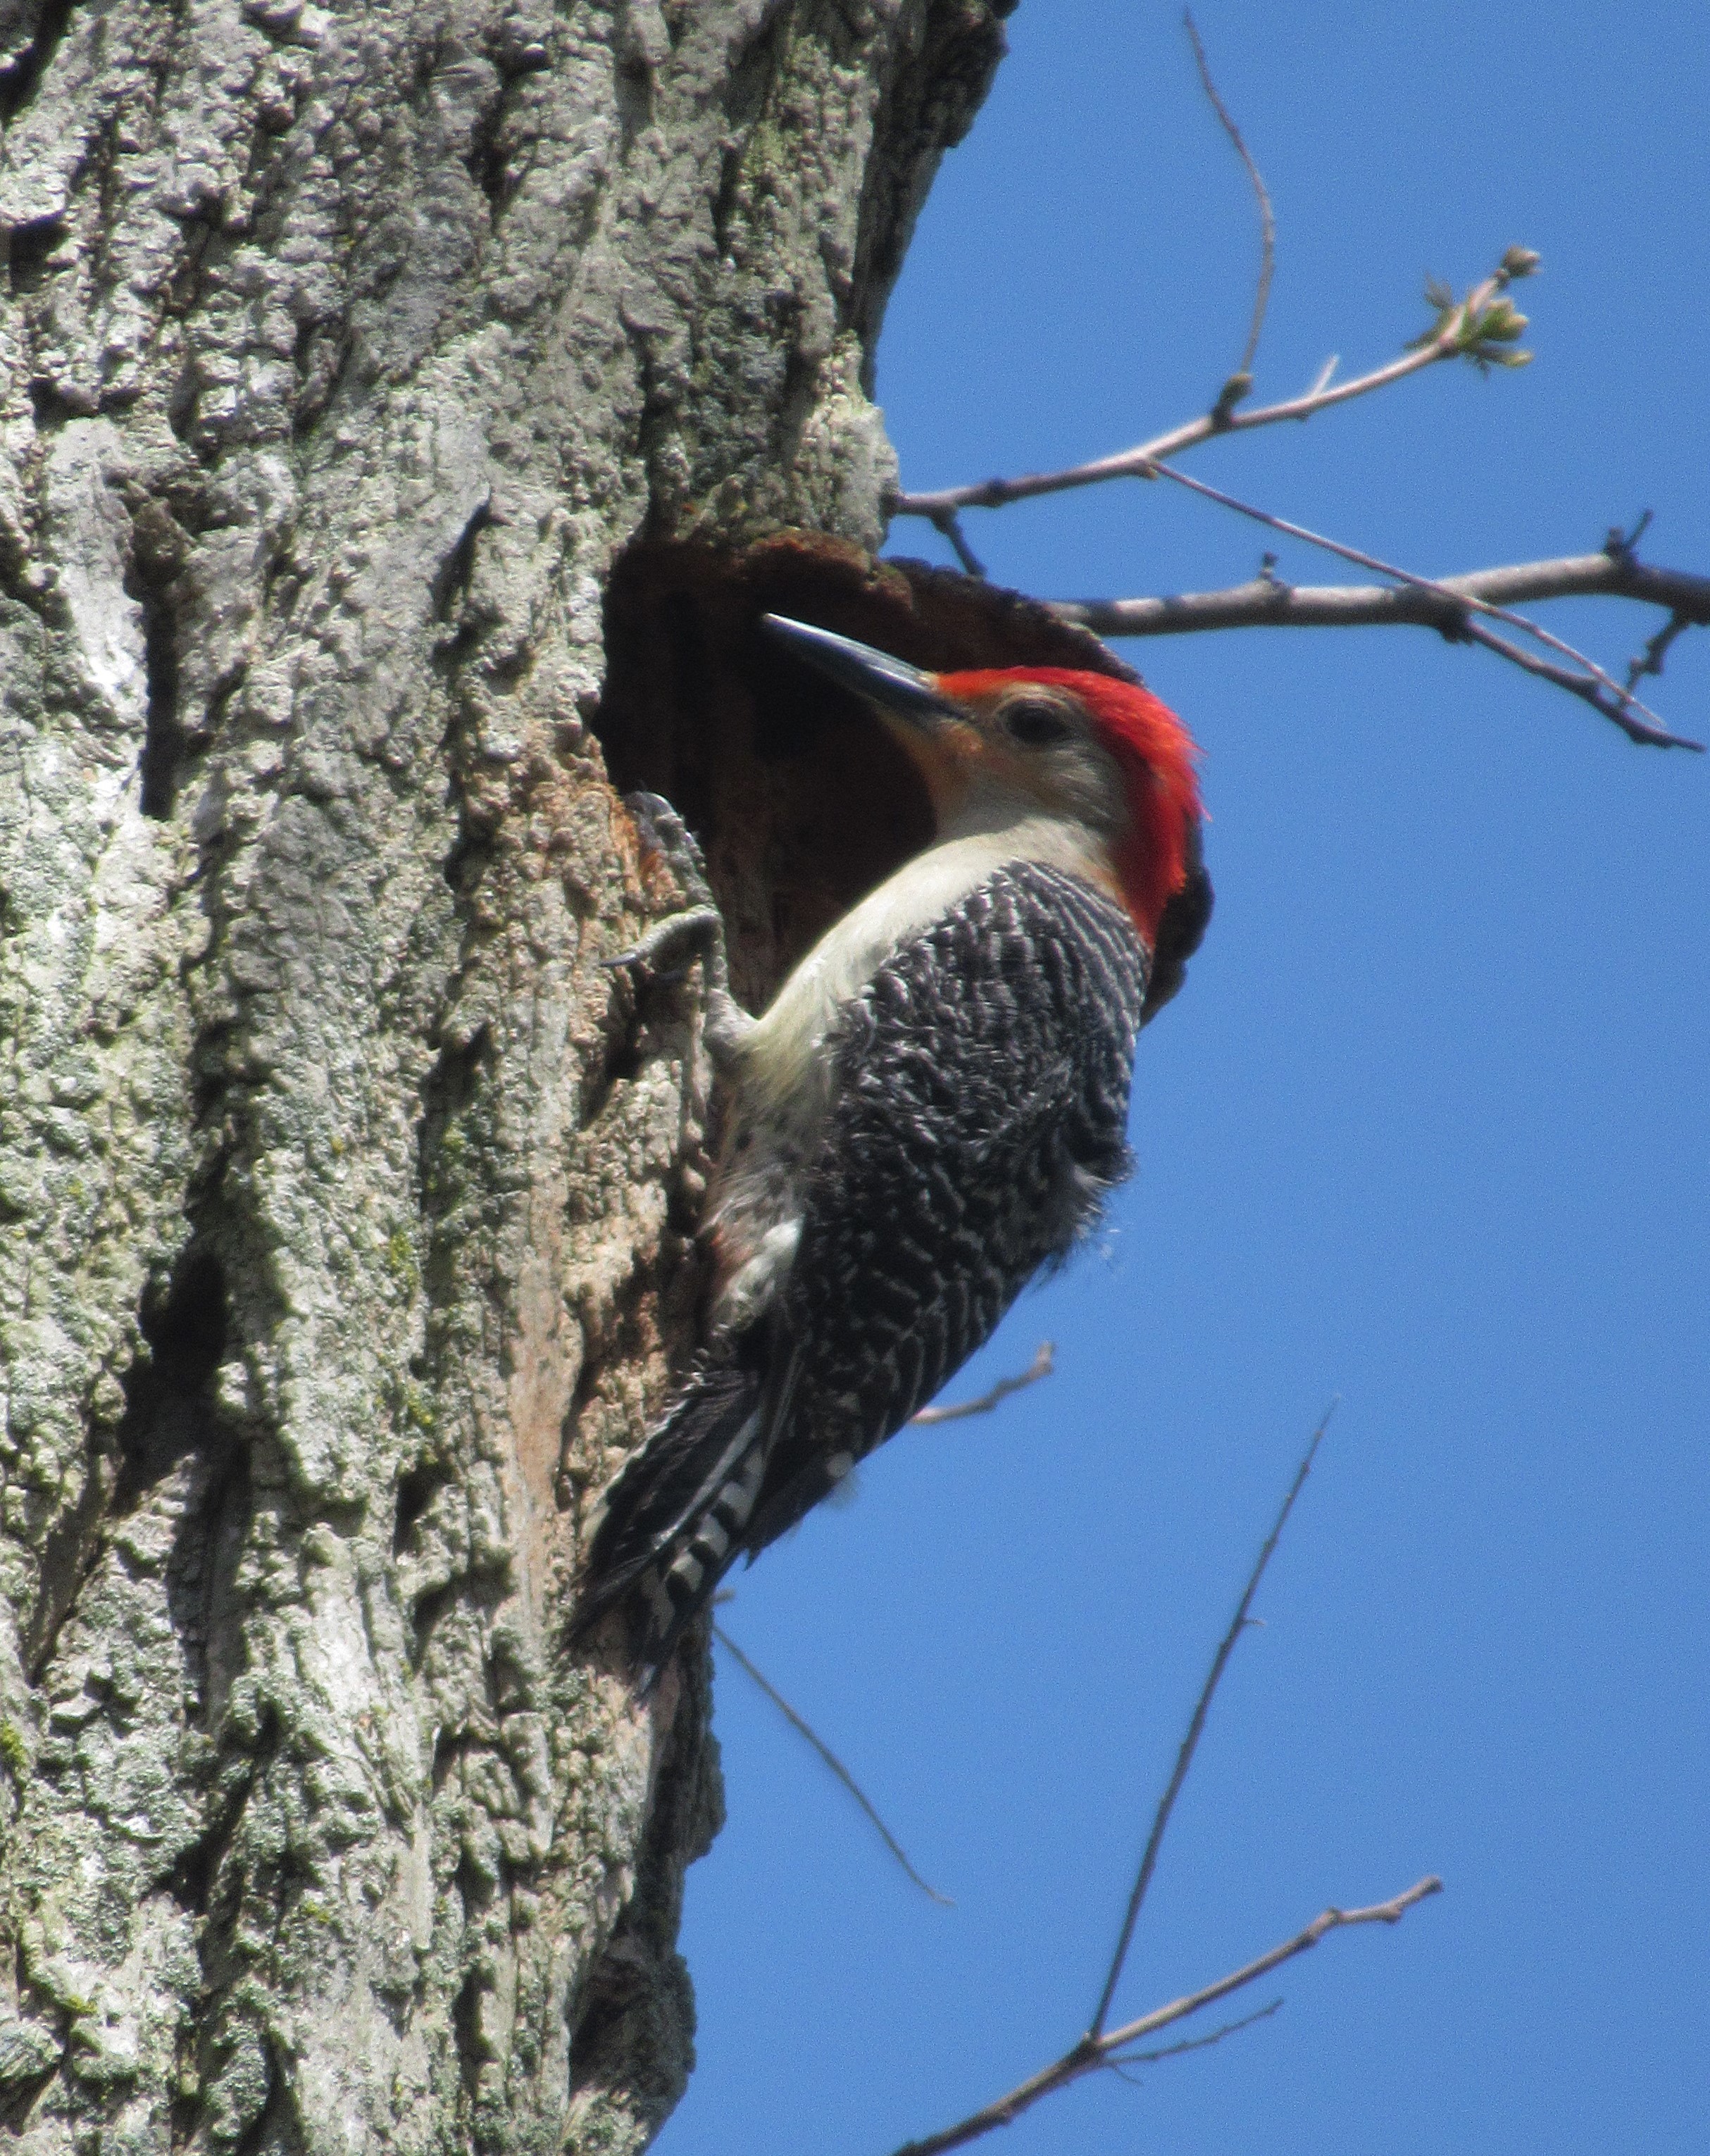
345, 1219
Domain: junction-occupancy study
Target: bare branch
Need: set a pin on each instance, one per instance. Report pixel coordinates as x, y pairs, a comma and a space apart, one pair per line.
1197, 2043
1365, 561
1268, 603
1240, 384
1588, 690
1043, 1364
796, 1722
948, 524
1649, 659
1095, 2054
1480, 327
1328, 1920
1590, 683
1102, 2050
1190, 1742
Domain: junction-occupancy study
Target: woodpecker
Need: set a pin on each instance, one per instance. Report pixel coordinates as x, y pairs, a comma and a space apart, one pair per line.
931, 1109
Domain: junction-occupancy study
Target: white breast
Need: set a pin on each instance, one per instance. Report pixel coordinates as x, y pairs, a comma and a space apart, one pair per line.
781, 1081
780, 1056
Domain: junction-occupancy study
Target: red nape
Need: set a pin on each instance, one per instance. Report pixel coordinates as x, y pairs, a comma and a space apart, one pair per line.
1156, 755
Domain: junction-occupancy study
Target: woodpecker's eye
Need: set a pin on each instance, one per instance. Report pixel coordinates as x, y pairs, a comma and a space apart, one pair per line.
1035, 723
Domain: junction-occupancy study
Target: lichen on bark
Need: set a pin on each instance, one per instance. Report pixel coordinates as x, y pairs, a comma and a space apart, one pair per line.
346, 1203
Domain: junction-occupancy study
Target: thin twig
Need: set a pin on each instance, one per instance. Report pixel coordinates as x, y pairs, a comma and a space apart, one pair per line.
1327, 1921
948, 525
1592, 685
1461, 332
1649, 659
1586, 689
832, 1761
1043, 1364
1199, 2043
1093, 2054
1241, 382
1365, 561
1190, 1742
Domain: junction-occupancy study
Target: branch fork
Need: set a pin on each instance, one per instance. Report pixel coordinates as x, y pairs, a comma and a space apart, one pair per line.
1104, 2049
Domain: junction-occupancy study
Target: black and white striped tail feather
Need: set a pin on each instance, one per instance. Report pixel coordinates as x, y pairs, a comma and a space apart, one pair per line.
673, 1521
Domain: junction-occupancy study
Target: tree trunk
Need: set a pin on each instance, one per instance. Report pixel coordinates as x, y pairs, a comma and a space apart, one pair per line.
348, 1213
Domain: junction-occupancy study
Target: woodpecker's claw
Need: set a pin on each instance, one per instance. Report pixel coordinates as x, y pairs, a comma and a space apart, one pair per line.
698, 932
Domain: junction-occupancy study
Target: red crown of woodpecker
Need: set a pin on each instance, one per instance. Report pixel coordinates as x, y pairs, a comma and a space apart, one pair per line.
1157, 756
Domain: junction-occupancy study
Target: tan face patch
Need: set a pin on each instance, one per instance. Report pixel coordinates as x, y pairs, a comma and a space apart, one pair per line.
946, 758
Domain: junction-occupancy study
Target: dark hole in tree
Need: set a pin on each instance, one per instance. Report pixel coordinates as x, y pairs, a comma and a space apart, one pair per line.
168, 1409
415, 1493
801, 800
165, 744
17, 81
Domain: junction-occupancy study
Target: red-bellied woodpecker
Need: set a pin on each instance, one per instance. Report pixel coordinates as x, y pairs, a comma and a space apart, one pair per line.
932, 1108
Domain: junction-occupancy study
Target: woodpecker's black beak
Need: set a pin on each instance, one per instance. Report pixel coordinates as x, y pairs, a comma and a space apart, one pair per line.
895, 689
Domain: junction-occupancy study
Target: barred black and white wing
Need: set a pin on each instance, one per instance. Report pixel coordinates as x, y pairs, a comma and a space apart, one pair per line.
978, 1120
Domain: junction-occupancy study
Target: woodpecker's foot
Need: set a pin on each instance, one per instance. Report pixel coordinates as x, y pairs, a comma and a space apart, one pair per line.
667, 951
672, 946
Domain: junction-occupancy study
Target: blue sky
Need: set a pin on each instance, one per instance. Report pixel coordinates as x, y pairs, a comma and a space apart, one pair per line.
1426, 1129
